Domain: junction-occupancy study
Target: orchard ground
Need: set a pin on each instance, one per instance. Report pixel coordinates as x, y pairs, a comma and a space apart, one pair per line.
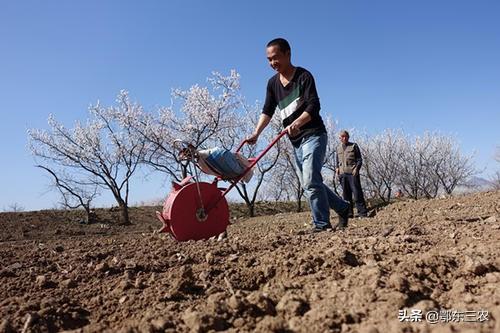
383, 274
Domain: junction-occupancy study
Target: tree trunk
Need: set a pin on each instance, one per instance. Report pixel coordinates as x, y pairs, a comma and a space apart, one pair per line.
299, 198
299, 205
90, 215
124, 218
251, 209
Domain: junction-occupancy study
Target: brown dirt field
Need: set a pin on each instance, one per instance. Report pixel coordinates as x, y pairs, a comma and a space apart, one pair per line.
441, 254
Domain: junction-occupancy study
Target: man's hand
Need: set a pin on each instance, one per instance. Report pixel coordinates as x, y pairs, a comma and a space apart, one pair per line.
252, 139
264, 120
354, 172
293, 130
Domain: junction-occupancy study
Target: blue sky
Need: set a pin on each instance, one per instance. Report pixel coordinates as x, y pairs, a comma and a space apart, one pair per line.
416, 65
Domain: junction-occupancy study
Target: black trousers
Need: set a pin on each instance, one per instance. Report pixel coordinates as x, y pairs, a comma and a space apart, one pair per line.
351, 187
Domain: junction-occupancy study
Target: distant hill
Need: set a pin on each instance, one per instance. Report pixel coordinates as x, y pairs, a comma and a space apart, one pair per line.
480, 183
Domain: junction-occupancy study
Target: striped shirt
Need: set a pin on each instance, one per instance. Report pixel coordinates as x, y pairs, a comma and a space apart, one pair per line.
298, 96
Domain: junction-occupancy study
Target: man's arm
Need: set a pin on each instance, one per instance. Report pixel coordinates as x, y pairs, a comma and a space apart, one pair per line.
264, 120
311, 96
312, 106
337, 163
359, 160
294, 128
267, 113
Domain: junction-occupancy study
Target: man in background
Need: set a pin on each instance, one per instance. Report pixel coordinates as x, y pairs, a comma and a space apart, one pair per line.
349, 163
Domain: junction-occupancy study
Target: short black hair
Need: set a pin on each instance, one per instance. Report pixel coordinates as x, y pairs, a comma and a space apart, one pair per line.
281, 43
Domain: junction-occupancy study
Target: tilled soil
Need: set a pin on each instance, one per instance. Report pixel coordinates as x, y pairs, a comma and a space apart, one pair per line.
413, 258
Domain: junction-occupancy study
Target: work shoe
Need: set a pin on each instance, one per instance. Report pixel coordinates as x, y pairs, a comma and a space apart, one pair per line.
339, 227
343, 220
314, 230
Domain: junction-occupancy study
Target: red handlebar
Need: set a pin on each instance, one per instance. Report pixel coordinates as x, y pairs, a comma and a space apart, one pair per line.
283, 132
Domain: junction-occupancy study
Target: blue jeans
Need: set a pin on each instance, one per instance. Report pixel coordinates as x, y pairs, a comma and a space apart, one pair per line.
309, 158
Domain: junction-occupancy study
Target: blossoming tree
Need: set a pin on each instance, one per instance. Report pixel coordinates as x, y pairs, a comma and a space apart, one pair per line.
101, 152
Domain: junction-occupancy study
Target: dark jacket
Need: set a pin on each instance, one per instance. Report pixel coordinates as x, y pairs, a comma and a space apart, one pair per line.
348, 158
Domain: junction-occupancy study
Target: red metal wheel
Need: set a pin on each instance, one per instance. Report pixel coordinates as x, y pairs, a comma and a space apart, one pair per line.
184, 217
